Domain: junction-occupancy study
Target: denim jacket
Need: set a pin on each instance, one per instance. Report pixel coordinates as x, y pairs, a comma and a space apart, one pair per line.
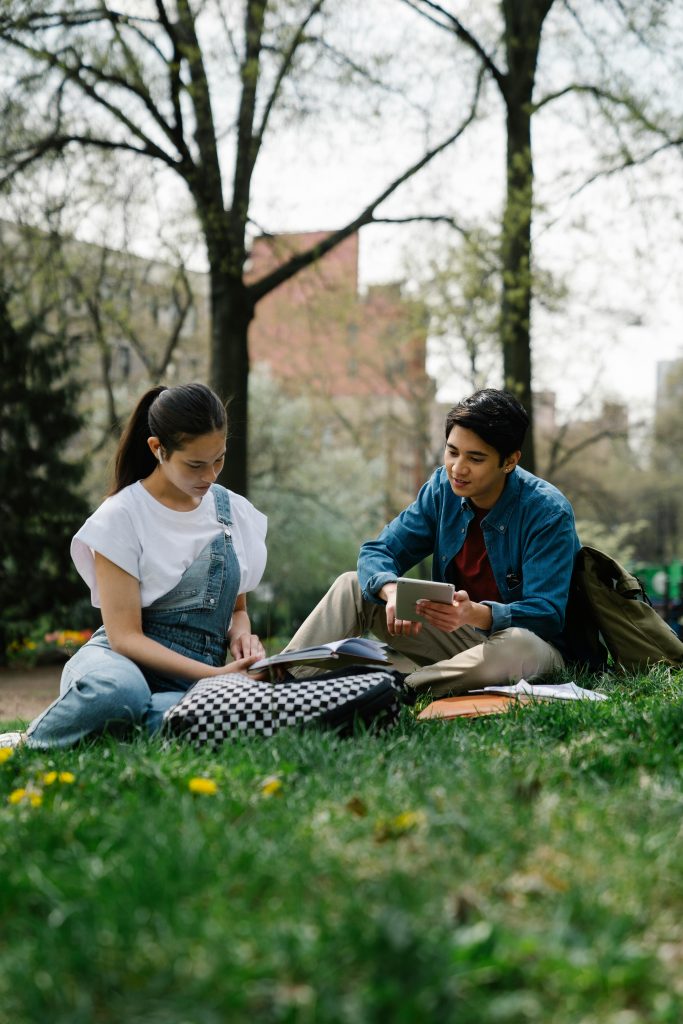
530, 539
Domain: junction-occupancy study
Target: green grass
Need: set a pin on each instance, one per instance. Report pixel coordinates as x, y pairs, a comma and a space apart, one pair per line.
523, 868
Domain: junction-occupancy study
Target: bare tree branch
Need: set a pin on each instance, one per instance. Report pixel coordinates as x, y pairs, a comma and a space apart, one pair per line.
74, 73
204, 181
283, 70
628, 164
426, 219
174, 79
347, 61
454, 25
247, 142
182, 308
559, 457
282, 273
600, 94
228, 33
58, 143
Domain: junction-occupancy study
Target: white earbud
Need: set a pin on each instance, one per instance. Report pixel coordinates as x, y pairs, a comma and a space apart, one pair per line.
160, 456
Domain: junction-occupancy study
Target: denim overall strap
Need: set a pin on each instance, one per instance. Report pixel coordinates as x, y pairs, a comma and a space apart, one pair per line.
222, 501
193, 618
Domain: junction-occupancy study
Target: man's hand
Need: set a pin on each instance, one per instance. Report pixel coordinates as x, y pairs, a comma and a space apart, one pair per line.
463, 612
397, 627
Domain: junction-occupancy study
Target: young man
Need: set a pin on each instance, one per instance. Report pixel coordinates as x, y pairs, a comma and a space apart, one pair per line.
504, 537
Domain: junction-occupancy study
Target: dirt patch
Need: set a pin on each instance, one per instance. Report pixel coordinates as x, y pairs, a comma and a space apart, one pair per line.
24, 693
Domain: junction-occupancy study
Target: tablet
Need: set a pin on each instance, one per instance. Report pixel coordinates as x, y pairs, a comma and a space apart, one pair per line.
409, 591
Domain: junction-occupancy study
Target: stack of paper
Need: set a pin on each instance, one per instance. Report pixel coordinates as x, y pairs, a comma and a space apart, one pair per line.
546, 691
494, 700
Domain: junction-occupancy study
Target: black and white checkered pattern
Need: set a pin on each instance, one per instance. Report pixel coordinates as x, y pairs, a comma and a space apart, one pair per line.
220, 707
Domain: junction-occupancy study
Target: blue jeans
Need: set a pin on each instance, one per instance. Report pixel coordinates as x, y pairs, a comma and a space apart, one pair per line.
101, 690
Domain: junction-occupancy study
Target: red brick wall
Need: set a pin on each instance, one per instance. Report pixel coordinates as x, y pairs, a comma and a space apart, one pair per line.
317, 333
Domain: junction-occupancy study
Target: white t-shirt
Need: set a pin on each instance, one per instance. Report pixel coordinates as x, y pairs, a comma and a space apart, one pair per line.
156, 544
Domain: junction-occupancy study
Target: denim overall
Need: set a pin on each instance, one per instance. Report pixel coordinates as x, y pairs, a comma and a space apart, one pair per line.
100, 688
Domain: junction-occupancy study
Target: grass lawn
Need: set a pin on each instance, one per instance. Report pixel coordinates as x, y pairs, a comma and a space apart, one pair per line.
522, 868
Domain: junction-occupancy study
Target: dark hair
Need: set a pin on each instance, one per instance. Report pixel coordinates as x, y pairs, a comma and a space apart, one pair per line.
495, 416
174, 415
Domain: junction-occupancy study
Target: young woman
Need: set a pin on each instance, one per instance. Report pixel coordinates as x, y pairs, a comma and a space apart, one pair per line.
169, 557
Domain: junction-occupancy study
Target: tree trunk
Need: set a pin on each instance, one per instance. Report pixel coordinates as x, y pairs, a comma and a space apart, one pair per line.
231, 314
516, 296
523, 24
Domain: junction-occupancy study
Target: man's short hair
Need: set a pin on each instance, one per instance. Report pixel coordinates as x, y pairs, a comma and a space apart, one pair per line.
497, 417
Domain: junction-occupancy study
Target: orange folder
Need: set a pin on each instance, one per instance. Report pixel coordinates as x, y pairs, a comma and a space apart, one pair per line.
469, 705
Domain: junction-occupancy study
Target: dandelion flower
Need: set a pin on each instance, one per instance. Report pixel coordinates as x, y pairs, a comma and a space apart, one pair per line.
205, 786
16, 796
49, 778
271, 786
400, 825
36, 799
5, 754
67, 777
408, 820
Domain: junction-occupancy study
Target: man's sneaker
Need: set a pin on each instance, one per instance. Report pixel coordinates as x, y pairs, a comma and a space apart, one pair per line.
11, 739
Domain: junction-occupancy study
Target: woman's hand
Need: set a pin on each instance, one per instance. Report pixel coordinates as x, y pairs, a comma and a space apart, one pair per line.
243, 643
267, 675
239, 665
246, 645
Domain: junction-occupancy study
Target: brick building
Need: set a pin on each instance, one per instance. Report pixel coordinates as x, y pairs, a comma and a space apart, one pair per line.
360, 357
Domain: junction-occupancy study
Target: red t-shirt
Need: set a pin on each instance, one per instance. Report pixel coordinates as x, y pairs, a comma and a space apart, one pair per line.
471, 570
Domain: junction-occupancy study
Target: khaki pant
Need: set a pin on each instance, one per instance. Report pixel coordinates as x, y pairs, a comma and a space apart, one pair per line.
437, 661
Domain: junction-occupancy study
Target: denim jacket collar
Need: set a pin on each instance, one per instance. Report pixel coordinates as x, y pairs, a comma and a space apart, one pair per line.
498, 517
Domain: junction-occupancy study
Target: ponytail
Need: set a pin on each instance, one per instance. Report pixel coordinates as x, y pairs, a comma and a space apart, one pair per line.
173, 415
134, 460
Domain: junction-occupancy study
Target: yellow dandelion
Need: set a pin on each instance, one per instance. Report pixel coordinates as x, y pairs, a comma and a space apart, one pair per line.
400, 825
271, 786
16, 796
49, 778
36, 799
5, 754
205, 786
67, 777
408, 820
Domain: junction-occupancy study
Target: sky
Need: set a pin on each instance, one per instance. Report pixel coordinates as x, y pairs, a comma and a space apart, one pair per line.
616, 246
622, 265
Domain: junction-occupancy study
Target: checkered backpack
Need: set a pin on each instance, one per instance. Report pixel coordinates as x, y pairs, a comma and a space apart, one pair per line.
219, 708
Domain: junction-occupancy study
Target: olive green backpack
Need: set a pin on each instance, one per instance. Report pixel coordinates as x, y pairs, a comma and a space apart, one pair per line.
609, 611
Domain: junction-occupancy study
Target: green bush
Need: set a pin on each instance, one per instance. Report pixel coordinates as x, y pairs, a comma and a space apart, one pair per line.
40, 503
